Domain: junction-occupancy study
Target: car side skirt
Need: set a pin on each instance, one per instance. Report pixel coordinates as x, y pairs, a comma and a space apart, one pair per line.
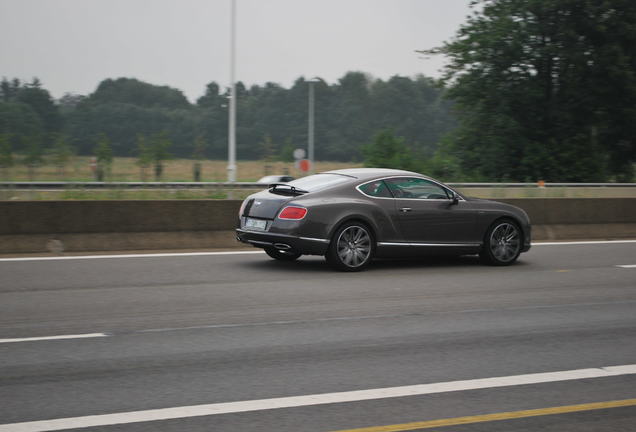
388, 249
430, 244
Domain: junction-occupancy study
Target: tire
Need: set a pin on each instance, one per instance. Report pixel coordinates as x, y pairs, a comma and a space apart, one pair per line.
502, 243
282, 255
352, 247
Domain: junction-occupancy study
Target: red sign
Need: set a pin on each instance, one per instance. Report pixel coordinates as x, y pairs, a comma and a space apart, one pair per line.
304, 165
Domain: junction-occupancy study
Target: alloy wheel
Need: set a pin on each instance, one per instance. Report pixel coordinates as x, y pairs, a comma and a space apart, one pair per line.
354, 246
505, 242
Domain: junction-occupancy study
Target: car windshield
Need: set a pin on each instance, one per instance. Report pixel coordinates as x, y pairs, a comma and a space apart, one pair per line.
317, 182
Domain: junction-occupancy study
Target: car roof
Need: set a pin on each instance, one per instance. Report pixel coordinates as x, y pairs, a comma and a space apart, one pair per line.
372, 173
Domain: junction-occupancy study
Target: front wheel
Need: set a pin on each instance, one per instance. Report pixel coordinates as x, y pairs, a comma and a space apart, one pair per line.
282, 255
502, 244
351, 248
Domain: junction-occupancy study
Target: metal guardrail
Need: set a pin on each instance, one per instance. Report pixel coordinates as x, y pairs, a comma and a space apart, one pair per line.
46, 185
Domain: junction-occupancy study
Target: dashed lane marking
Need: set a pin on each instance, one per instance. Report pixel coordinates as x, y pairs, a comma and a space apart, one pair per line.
148, 255
47, 338
591, 242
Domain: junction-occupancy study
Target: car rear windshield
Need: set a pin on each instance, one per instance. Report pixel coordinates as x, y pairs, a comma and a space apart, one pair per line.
318, 182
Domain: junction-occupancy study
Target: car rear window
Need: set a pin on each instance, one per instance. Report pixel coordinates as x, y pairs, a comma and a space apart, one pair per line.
376, 188
318, 182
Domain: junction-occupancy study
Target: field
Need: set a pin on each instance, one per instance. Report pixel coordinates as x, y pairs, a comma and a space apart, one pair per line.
175, 170
181, 170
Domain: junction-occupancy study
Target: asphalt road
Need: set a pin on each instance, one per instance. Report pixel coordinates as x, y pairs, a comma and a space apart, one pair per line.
174, 332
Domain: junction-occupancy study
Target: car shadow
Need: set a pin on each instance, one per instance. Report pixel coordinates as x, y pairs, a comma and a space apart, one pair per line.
318, 264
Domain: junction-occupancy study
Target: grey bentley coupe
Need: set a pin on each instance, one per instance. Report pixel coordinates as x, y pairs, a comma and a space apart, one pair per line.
353, 215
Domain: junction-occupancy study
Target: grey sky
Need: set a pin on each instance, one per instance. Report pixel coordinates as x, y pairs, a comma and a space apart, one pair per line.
71, 45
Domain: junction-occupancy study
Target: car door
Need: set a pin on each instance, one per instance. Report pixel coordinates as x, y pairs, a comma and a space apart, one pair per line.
427, 214
386, 215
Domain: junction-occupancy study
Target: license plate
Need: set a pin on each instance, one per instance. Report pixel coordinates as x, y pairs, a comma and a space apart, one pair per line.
258, 224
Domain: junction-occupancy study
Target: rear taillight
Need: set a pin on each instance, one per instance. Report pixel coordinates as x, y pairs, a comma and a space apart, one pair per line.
294, 213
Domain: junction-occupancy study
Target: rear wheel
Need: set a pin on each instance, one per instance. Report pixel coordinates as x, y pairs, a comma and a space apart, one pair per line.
282, 255
351, 248
502, 244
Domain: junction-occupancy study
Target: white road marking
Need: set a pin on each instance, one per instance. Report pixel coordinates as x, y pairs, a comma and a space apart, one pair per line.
315, 399
591, 242
148, 255
627, 266
185, 254
45, 338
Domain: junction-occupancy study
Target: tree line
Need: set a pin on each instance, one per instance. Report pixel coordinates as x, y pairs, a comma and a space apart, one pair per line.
272, 120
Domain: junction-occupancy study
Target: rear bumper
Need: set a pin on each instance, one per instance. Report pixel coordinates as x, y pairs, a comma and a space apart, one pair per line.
303, 245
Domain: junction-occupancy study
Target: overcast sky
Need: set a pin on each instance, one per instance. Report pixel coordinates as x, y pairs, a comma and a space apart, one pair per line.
71, 45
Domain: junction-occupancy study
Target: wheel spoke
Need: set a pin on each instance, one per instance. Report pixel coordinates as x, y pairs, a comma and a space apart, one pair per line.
356, 257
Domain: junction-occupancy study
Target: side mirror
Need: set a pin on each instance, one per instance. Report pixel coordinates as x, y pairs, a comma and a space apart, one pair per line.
454, 198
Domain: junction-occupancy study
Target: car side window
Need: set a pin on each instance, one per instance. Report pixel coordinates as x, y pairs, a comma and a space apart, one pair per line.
415, 188
376, 189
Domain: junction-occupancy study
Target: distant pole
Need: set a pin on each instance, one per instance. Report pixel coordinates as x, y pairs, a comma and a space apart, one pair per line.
310, 126
231, 166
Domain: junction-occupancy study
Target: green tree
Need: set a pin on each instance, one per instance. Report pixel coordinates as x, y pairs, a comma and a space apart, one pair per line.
287, 151
104, 154
27, 111
9, 89
443, 165
159, 144
42, 103
135, 92
18, 120
545, 89
144, 156
34, 155
198, 155
389, 151
267, 149
6, 156
61, 154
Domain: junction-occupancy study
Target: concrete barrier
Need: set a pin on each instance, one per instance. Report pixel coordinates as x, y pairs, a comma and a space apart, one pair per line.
56, 226
40, 226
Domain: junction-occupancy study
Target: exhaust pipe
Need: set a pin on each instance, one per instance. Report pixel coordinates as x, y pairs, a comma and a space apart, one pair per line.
282, 246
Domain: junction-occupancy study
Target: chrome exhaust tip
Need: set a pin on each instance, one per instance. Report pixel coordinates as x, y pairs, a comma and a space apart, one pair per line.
282, 246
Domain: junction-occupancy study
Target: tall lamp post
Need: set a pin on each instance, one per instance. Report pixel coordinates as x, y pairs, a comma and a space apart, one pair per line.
231, 150
310, 124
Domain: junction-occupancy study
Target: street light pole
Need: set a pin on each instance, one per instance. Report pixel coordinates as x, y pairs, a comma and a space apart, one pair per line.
231, 166
310, 126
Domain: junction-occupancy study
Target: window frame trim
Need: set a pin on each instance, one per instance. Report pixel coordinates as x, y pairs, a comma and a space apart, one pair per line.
459, 196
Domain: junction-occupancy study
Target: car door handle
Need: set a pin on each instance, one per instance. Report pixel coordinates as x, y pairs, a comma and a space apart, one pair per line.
405, 209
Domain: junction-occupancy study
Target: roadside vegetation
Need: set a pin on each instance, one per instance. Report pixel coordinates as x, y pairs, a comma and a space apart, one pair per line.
128, 169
